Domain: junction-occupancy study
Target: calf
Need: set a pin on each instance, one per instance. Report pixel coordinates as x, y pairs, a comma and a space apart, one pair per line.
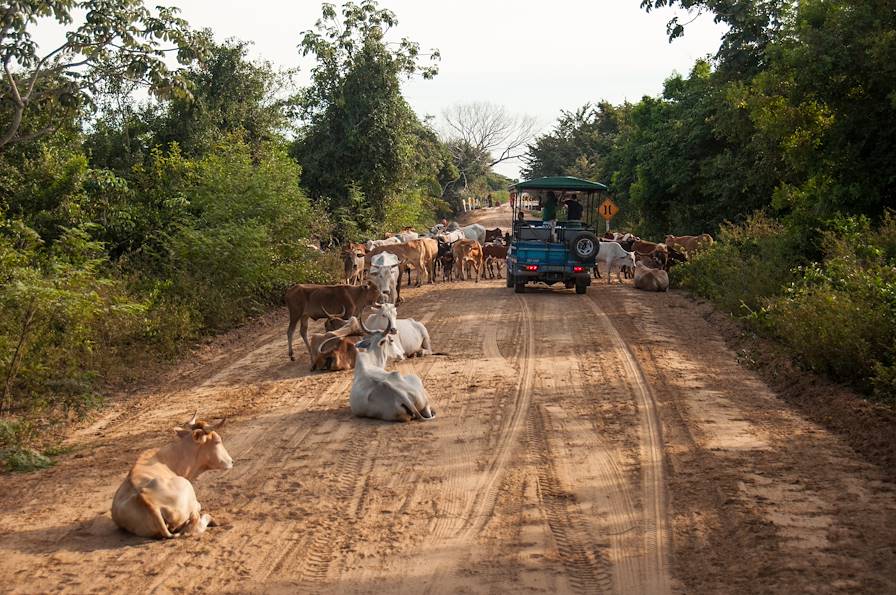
494, 255
157, 497
353, 264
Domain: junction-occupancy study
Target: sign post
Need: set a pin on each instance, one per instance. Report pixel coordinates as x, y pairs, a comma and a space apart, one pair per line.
608, 210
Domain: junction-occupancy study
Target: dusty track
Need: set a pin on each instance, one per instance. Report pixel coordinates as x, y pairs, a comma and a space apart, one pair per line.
599, 443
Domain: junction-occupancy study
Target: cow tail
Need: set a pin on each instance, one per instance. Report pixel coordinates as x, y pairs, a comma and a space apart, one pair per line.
156, 515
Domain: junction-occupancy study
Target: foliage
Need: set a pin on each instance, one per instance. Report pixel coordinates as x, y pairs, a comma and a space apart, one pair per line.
116, 39
748, 264
837, 316
59, 307
360, 133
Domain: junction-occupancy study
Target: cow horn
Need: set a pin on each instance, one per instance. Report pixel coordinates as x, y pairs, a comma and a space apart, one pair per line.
193, 419
220, 424
321, 349
330, 316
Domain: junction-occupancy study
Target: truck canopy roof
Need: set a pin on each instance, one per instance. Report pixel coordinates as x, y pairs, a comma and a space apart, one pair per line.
559, 183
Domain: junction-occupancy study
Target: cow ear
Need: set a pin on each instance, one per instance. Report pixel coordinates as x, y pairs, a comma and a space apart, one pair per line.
180, 432
199, 436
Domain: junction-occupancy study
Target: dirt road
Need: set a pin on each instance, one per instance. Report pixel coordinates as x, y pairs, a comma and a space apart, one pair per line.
607, 443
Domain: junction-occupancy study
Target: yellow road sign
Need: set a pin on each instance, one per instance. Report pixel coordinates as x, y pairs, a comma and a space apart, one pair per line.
607, 209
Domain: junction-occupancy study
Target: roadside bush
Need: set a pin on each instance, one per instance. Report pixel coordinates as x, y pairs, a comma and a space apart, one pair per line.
58, 309
236, 240
837, 316
747, 264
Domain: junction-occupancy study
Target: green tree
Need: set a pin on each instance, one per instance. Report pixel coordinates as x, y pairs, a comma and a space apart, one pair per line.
117, 39
359, 131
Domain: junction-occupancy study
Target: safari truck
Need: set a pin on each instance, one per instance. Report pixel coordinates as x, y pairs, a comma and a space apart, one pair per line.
560, 244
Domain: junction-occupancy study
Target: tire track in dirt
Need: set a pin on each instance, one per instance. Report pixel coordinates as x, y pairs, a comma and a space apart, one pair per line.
587, 567
654, 498
486, 492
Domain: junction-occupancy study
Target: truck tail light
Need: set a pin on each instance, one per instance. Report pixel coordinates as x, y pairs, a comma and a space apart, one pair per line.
578, 269
531, 267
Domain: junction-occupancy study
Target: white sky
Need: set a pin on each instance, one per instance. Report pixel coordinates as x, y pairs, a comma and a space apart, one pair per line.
492, 50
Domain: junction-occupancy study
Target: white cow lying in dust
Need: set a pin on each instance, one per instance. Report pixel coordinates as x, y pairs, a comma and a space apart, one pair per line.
385, 395
412, 339
157, 499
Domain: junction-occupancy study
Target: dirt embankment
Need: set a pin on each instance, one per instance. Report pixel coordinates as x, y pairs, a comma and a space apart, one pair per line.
602, 443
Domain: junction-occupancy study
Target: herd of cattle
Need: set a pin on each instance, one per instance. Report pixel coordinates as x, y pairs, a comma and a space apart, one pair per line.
157, 498
646, 262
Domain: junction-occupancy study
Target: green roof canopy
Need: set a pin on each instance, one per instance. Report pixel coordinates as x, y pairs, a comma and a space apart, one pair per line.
559, 183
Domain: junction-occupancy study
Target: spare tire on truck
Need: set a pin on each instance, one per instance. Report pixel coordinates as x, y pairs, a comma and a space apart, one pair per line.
584, 245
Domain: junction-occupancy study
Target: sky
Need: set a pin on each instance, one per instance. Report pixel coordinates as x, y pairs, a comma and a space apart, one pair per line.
533, 57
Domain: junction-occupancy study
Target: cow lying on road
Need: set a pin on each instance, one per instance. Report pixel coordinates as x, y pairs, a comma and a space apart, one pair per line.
651, 279
157, 499
385, 395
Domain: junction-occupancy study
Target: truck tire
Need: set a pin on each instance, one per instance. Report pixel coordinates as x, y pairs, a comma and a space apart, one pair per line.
585, 246
581, 287
509, 278
519, 287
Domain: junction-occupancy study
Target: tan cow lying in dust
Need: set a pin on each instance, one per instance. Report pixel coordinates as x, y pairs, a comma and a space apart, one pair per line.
650, 279
157, 499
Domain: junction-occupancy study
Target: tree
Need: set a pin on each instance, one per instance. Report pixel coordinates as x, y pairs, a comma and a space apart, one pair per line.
360, 133
487, 132
117, 39
229, 94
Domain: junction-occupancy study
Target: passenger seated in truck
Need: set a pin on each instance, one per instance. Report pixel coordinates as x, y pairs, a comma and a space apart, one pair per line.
573, 210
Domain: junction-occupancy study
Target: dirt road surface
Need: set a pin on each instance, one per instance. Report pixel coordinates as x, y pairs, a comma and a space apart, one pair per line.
605, 443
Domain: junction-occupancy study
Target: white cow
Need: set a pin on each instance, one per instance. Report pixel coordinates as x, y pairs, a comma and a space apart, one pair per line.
407, 236
371, 244
385, 395
449, 237
384, 272
474, 232
412, 339
616, 256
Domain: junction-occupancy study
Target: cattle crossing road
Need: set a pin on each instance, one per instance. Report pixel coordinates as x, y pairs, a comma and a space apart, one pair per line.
605, 443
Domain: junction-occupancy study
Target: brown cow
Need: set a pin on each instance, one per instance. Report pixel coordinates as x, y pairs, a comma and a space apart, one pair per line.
410, 254
494, 255
338, 355
467, 251
689, 245
313, 301
157, 497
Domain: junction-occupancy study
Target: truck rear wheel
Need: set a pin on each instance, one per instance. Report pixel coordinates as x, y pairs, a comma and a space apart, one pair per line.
519, 287
509, 278
581, 287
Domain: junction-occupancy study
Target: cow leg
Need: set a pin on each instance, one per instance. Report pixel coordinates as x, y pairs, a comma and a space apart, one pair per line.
289, 332
303, 330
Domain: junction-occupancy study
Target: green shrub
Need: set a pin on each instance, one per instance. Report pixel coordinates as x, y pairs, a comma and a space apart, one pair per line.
840, 317
747, 264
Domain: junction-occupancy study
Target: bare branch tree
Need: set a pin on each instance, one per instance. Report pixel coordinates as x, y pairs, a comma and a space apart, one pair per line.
489, 130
